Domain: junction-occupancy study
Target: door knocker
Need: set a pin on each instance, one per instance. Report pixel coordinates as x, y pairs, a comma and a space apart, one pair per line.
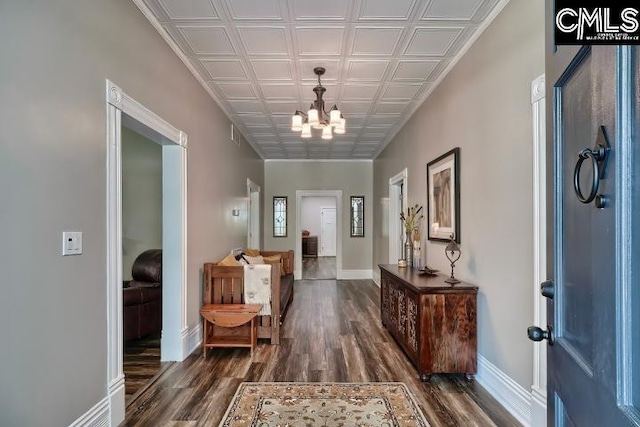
598, 157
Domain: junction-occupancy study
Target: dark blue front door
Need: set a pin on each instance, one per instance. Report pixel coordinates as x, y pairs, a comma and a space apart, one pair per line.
594, 238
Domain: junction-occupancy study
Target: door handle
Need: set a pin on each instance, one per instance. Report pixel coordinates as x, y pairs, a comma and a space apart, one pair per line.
536, 334
598, 158
547, 289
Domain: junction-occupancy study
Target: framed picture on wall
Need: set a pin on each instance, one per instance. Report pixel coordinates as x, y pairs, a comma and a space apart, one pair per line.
443, 196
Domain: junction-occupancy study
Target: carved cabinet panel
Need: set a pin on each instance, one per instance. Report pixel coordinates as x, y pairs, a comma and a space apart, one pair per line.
433, 322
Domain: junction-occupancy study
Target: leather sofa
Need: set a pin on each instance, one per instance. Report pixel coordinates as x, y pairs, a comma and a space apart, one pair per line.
142, 296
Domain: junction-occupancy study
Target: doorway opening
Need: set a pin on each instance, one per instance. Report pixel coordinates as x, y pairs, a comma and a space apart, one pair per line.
319, 237
333, 242
397, 203
124, 112
141, 259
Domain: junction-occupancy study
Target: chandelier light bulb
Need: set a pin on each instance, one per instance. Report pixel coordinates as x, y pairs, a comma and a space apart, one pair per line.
314, 118
306, 130
341, 127
334, 116
326, 132
296, 123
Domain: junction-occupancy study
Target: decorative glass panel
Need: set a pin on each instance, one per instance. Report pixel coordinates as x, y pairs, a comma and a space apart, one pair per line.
357, 216
279, 216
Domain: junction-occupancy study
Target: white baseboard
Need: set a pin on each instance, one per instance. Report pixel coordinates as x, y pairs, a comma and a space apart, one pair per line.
186, 344
98, 416
101, 416
354, 274
195, 338
505, 390
538, 407
376, 277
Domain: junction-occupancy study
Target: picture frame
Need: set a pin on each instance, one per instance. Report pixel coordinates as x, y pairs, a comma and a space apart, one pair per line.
443, 197
356, 218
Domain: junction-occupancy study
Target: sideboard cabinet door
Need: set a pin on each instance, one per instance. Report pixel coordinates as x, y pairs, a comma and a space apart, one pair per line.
413, 326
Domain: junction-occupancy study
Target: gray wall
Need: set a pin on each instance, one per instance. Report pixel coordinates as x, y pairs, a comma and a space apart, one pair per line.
283, 178
483, 106
141, 197
55, 59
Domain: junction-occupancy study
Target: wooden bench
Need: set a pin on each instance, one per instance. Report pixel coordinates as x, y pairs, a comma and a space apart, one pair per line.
222, 326
225, 285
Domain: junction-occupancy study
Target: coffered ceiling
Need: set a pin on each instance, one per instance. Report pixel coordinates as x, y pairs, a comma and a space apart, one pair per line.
256, 59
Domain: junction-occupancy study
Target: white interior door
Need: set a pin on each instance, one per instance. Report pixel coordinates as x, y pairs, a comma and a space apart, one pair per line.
328, 232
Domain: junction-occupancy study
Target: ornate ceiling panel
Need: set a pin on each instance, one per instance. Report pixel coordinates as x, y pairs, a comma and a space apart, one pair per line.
382, 59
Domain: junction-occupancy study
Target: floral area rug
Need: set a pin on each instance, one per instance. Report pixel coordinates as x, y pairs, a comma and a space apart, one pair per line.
323, 404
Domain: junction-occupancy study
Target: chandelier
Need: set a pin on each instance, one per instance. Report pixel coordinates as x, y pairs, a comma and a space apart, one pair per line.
317, 117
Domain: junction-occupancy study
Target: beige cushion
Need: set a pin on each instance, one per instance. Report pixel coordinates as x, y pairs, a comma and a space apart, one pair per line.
273, 258
252, 252
229, 261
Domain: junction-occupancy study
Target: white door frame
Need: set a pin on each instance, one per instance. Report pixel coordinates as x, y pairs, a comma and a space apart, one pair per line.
321, 242
396, 182
297, 269
539, 386
174, 344
253, 218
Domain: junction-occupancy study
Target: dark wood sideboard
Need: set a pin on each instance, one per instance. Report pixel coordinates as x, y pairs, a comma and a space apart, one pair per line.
310, 246
433, 322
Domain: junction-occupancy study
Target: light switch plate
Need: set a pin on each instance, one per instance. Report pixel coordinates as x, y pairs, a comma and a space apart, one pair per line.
71, 243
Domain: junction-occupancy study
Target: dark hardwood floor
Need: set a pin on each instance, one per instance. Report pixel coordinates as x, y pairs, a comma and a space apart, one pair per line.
332, 333
141, 365
319, 268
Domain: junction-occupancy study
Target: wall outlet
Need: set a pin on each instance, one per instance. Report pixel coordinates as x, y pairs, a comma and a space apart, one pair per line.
71, 243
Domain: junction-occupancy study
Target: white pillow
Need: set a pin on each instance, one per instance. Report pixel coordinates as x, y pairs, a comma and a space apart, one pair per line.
254, 259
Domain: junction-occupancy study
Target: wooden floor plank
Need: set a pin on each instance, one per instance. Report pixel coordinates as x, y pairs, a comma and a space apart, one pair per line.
332, 333
319, 268
141, 365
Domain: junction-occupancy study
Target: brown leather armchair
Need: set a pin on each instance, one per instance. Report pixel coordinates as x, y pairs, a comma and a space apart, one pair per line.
142, 296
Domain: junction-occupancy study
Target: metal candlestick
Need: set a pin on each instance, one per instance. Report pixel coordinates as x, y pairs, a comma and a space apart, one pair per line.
452, 251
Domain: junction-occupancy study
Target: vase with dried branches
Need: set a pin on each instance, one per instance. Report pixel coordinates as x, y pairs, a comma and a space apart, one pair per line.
411, 222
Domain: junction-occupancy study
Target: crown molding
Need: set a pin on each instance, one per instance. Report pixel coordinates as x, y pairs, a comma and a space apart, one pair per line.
148, 14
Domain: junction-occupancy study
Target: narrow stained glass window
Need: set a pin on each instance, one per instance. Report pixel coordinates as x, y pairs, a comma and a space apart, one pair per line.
279, 216
357, 216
